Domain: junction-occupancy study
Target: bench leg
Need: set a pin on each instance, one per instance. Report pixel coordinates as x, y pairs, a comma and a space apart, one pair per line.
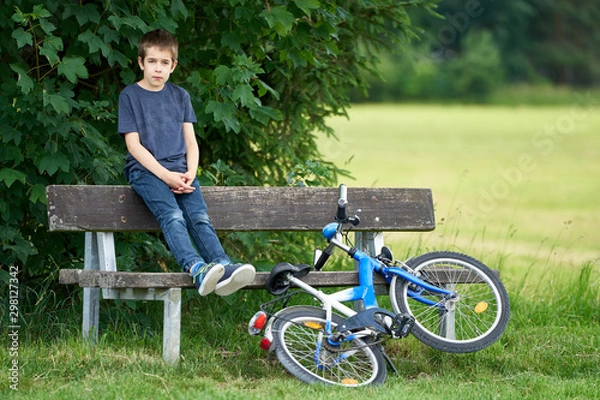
91, 296
448, 322
171, 326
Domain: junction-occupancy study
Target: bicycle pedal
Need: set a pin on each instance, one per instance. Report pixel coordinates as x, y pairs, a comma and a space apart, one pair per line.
401, 326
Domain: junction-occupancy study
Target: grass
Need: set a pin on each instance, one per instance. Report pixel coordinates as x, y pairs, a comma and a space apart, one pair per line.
540, 229
549, 350
517, 182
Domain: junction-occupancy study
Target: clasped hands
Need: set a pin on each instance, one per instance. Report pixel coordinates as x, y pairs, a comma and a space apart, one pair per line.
180, 183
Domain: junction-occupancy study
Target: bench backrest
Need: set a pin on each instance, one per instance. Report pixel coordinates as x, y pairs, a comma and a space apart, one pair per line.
96, 208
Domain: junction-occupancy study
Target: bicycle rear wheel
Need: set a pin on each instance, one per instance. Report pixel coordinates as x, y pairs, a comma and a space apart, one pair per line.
298, 336
472, 321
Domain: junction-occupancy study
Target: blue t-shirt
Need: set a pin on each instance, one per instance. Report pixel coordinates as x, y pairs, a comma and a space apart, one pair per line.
158, 117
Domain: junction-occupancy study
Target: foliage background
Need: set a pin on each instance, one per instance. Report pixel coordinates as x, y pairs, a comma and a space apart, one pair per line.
263, 76
264, 73
478, 47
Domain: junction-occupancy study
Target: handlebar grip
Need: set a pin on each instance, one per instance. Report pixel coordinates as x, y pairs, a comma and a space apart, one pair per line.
342, 214
344, 192
322, 259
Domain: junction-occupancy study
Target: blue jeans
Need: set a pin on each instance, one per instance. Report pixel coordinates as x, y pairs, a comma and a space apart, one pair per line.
181, 216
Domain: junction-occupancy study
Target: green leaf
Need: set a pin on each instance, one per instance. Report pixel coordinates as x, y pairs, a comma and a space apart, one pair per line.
52, 162
116, 56
24, 81
265, 114
95, 43
11, 153
23, 38
39, 11
110, 35
59, 103
52, 45
178, 8
134, 22
222, 75
279, 19
73, 68
220, 110
307, 5
231, 40
9, 176
37, 194
243, 93
22, 248
47, 26
89, 12
264, 88
225, 113
19, 17
8, 133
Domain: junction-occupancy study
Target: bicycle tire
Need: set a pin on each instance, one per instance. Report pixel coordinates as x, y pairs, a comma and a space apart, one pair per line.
480, 315
296, 332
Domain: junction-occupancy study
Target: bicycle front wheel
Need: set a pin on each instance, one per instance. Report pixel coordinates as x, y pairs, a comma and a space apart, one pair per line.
299, 339
471, 321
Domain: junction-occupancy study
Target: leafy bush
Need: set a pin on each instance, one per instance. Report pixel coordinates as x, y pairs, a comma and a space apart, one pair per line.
263, 77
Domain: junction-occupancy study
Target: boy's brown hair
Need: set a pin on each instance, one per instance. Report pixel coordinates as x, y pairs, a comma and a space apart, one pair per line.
158, 38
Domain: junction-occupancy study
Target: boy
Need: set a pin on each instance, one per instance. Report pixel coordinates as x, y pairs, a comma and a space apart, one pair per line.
156, 120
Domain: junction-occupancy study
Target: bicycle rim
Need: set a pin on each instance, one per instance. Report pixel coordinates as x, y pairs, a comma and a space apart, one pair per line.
298, 336
478, 317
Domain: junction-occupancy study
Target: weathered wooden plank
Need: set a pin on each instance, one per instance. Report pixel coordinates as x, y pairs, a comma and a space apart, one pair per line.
119, 208
115, 280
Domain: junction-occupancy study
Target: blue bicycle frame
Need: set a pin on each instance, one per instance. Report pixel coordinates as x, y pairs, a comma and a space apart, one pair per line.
367, 265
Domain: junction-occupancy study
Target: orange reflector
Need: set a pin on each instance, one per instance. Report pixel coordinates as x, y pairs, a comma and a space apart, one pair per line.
481, 307
313, 325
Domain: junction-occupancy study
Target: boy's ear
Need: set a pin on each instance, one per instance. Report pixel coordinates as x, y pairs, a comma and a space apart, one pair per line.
174, 65
141, 63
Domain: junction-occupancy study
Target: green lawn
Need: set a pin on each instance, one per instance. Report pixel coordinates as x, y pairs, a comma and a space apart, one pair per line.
517, 186
506, 191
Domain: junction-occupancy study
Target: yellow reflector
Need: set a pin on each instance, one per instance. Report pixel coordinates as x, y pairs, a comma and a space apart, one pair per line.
349, 381
313, 325
481, 307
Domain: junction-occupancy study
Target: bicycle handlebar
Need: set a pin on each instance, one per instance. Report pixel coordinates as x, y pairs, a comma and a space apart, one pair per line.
342, 212
341, 216
323, 258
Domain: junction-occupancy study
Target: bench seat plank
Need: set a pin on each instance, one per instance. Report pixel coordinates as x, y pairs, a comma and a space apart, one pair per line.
118, 208
117, 280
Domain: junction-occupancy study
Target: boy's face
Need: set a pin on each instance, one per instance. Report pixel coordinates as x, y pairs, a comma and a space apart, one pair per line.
157, 66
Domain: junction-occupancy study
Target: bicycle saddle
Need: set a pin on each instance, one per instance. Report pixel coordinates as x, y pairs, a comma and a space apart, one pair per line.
278, 282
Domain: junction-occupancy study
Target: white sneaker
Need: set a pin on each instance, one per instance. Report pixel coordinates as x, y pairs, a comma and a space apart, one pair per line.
236, 276
206, 277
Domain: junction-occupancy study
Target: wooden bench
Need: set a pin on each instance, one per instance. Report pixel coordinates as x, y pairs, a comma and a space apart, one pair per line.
99, 211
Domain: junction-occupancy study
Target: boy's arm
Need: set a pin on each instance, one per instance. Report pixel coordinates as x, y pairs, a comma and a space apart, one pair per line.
178, 182
192, 151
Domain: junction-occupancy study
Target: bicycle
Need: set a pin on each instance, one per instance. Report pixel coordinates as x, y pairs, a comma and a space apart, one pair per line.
447, 300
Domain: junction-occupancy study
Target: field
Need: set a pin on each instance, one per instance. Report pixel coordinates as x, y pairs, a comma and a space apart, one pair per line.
514, 186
